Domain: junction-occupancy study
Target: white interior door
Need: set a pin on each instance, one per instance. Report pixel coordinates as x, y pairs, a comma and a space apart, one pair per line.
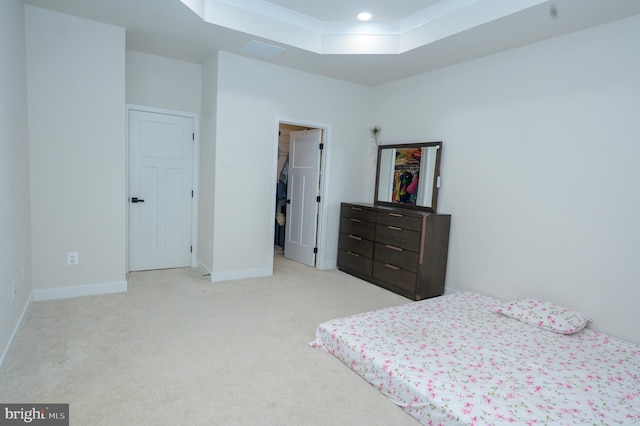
160, 190
302, 191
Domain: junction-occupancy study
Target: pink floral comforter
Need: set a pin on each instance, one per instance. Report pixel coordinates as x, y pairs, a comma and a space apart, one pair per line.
451, 360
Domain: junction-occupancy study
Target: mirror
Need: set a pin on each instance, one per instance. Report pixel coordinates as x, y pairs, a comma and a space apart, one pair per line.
409, 175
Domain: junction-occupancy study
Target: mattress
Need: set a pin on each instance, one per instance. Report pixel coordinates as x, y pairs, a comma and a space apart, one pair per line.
452, 360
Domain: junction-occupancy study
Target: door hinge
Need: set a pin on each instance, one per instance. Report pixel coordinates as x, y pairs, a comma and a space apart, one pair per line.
321, 146
318, 199
190, 249
315, 250
192, 193
193, 136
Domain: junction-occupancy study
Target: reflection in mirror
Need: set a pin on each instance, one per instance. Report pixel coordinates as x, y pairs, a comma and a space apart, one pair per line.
408, 175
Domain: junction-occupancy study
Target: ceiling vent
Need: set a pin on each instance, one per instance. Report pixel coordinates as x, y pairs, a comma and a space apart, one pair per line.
263, 50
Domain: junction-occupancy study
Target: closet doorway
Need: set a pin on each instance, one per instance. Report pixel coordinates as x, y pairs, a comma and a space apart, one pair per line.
298, 191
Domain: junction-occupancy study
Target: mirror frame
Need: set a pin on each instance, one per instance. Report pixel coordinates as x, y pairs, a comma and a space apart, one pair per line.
434, 184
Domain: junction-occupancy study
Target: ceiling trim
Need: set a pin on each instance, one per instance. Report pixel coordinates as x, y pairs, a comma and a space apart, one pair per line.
438, 21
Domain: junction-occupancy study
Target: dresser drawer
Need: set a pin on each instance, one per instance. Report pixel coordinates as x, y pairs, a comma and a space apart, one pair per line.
395, 276
399, 237
354, 262
359, 245
356, 227
400, 220
393, 255
358, 212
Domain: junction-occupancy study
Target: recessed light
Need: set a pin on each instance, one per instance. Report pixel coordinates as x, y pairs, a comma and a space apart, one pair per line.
364, 16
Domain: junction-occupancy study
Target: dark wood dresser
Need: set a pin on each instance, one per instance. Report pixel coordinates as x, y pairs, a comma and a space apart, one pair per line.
402, 250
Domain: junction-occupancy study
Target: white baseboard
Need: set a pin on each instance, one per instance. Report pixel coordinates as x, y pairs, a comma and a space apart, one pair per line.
448, 291
7, 349
329, 264
240, 275
79, 291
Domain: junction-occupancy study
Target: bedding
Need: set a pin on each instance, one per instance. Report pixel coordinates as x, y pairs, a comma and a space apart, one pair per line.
454, 360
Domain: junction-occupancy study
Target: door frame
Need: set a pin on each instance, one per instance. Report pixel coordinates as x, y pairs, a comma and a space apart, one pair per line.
321, 236
194, 179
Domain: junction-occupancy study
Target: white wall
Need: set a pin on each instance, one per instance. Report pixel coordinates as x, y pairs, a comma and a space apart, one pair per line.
251, 95
207, 163
76, 103
540, 169
15, 229
163, 83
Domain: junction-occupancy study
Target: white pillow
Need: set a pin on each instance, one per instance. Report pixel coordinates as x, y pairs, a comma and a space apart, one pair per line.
545, 315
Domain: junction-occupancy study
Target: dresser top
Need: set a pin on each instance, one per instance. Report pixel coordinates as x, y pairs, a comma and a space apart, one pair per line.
404, 211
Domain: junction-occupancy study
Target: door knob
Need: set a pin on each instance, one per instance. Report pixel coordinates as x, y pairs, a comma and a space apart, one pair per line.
136, 200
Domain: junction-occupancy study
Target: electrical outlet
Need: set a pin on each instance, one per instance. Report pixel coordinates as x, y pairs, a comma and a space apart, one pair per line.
72, 258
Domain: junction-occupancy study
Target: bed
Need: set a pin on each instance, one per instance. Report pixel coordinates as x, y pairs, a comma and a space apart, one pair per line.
466, 359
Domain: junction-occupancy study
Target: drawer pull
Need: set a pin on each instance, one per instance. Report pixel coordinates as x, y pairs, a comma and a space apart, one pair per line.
394, 228
396, 214
354, 237
394, 267
353, 254
355, 220
356, 208
393, 247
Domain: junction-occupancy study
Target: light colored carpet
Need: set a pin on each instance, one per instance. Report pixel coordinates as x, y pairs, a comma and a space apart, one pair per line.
177, 349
